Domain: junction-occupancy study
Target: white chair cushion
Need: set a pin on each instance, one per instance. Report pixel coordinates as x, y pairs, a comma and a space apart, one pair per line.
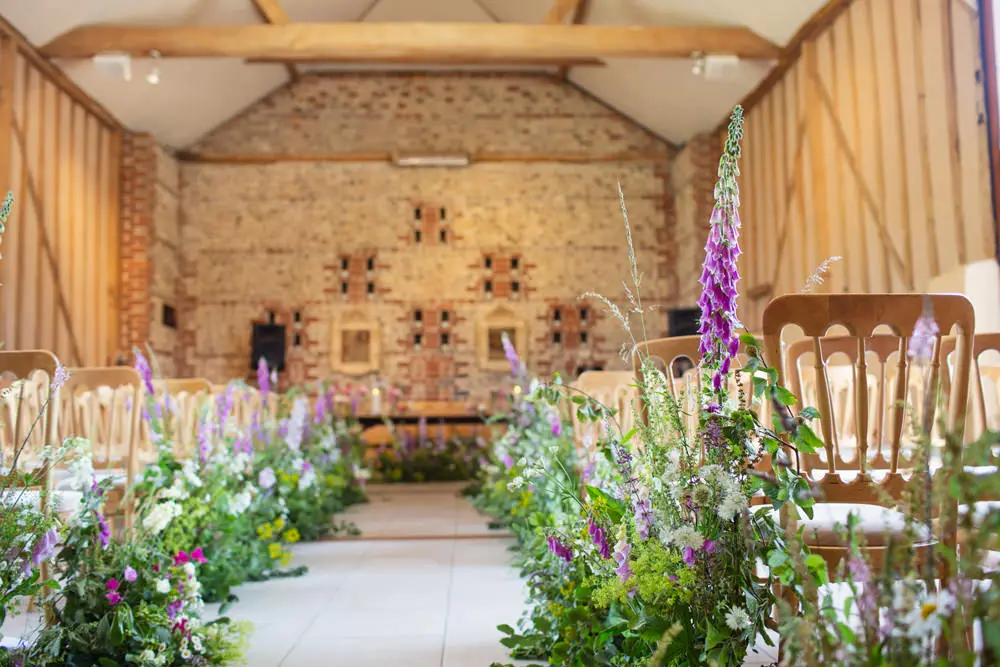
874, 524
63, 502
118, 476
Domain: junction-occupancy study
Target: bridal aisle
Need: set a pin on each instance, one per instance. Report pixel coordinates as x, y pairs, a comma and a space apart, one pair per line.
425, 585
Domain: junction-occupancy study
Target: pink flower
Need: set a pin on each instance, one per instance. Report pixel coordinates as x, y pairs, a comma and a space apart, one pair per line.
198, 557
112, 585
925, 331
113, 598
181, 558
688, 556
130, 574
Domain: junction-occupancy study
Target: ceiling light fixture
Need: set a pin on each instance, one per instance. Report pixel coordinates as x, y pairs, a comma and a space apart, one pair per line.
154, 74
431, 160
110, 62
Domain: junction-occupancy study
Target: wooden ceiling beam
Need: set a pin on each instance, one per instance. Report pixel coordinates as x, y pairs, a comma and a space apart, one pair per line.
438, 43
561, 10
458, 62
273, 13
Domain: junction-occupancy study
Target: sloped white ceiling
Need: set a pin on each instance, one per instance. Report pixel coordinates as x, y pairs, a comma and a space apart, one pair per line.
194, 96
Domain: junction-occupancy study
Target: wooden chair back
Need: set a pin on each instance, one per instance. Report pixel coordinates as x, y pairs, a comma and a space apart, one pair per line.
30, 407
984, 390
104, 405
185, 400
861, 315
611, 389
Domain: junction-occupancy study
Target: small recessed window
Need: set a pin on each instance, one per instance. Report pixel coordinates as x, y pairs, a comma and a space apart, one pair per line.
556, 337
297, 316
515, 287
445, 338
343, 288
371, 263
488, 262
443, 235
298, 340
345, 263
445, 315
515, 262
418, 316
443, 213
418, 339
416, 236
488, 286
371, 288
583, 337
556, 315
584, 314
169, 316
270, 317
417, 213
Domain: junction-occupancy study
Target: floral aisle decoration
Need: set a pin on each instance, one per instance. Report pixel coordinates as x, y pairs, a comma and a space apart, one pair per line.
662, 546
422, 457
128, 602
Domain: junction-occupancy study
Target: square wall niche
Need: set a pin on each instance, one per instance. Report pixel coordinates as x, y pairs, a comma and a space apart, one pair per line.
356, 344
490, 331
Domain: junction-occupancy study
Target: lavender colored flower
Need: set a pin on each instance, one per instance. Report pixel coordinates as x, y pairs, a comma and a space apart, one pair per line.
508, 462
130, 574
643, 517
224, 405
560, 549
263, 379
145, 372
266, 478
174, 608
44, 547
59, 378
710, 547
555, 423
925, 331
104, 532
688, 556
422, 429
205, 441
320, 414
622, 551
511, 354
599, 538
719, 342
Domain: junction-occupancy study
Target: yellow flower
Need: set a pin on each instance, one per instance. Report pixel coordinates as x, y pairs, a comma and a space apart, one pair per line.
286, 558
274, 550
279, 525
264, 532
292, 535
927, 609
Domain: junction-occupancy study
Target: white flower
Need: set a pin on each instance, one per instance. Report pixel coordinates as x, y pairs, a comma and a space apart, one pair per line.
307, 478
190, 471
186, 654
515, 483
685, 536
189, 569
81, 472
163, 586
731, 505
161, 516
924, 619
239, 502
196, 643
738, 619
177, 491
297, 424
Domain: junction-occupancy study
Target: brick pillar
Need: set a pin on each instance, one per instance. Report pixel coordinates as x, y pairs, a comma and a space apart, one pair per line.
138, 206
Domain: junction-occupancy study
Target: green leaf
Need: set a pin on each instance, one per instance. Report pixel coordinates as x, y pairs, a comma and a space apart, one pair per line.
807, 440
784, 396
809, 413
776, 558
759, 385
506, 629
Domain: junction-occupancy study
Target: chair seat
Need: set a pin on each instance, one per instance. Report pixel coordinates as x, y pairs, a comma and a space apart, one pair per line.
118, 475
63, 502
875, 524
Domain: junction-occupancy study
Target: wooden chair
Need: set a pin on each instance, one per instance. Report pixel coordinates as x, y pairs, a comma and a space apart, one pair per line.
610, 388
185, 399
870, 493
33, 408
104, 405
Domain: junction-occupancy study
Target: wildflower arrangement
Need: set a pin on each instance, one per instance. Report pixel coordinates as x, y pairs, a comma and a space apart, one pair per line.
661, 547
419, 458
128, 602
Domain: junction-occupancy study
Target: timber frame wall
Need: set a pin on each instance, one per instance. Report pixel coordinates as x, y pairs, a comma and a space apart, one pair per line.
868, 142
60, 268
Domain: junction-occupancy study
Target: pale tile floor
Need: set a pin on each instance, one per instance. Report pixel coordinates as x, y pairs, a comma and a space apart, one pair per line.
385, 600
